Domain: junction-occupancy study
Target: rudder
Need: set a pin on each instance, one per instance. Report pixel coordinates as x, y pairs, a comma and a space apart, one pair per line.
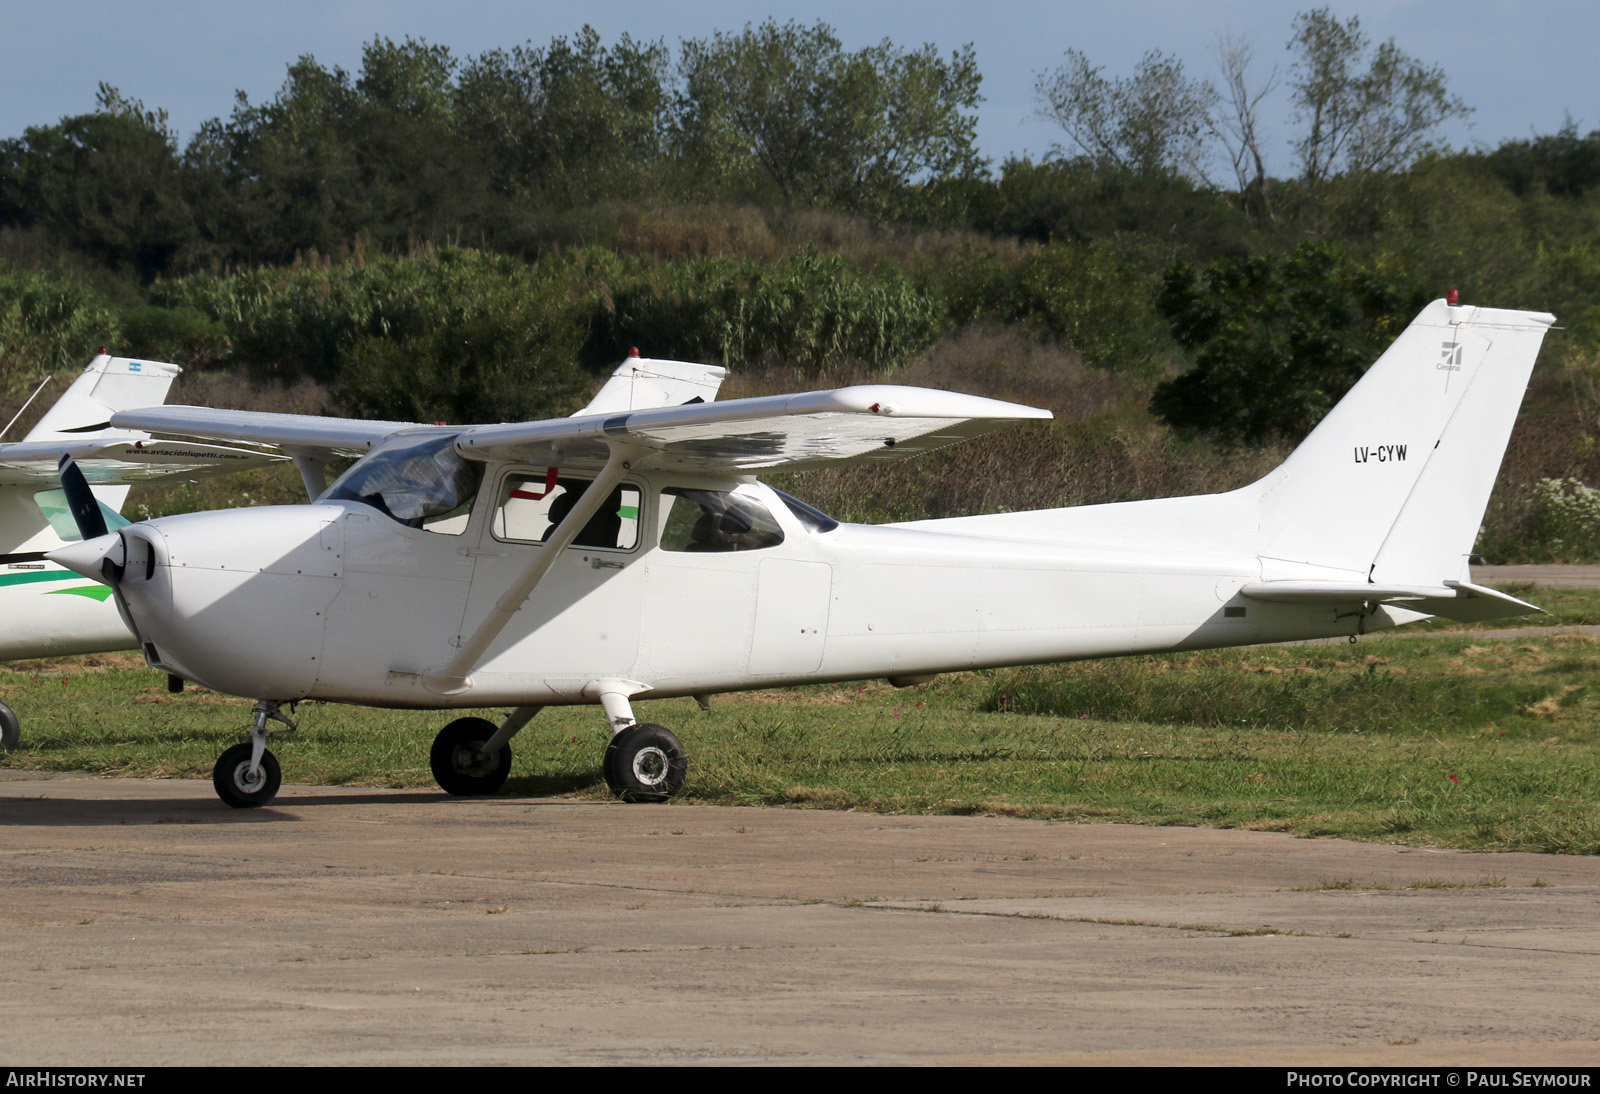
1392, 484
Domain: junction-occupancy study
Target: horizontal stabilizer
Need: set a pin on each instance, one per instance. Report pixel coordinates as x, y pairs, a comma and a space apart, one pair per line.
1457, 600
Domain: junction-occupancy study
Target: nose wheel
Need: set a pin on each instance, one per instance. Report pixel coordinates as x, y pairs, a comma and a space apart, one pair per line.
247, 775
241, 787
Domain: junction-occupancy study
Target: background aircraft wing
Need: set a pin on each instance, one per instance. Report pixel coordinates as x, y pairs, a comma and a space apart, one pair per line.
351, 436
121, 461
852, 424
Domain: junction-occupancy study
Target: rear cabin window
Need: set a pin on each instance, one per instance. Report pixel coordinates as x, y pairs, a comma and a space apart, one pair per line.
532, 504
715, 521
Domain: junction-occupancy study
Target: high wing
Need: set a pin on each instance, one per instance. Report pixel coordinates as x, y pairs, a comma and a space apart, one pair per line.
346, 436
852, 424
638, 383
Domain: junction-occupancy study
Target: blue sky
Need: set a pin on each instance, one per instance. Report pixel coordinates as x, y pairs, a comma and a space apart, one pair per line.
1523, 66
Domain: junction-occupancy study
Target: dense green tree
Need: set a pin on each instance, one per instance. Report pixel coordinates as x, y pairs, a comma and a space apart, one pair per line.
329, 158
1562, 163
1275, 341
574, 122
108, 183
785, 109
287, 172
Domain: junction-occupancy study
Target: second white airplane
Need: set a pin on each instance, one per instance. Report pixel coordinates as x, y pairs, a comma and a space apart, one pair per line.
629, 552
45, 609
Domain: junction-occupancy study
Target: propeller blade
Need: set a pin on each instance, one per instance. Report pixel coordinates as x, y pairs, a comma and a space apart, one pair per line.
80, 500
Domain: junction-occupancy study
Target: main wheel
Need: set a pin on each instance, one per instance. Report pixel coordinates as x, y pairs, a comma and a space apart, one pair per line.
10, 729
232, 778
645, 763
456, 764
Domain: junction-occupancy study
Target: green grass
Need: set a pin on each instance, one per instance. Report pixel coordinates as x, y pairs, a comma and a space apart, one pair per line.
1443, 740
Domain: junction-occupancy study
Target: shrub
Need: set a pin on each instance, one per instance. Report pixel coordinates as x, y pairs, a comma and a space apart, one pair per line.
1564, 521
184, 335
809, 312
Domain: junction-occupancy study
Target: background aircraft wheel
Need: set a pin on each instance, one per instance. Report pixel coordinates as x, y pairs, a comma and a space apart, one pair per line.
455, 761
232, 779
645, 763
10, 729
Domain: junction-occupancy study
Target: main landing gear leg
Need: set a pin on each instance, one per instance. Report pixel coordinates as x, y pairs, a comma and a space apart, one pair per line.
247, 775
643, 762
470, 756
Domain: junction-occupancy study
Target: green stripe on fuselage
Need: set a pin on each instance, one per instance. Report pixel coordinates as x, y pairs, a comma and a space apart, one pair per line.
95, 591
27, 577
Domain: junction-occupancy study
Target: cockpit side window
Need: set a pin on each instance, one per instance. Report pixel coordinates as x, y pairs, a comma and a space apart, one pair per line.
715, 521
533, 503
420, 481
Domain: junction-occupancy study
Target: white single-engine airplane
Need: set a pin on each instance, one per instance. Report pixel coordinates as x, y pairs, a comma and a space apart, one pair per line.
47, 610
629, 551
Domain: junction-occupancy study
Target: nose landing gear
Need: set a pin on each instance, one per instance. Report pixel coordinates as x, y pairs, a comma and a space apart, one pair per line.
247, 775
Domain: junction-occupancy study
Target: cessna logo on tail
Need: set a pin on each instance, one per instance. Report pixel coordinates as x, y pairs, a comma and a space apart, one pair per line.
1383, 453
1449, 357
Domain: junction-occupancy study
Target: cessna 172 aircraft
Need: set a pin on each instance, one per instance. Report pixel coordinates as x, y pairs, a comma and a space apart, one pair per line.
629, 551
47, 610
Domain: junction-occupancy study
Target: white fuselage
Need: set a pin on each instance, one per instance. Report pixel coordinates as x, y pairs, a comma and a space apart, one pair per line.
338, 601
49, 611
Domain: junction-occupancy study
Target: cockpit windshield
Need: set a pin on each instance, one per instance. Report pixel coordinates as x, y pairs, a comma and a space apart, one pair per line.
417, 479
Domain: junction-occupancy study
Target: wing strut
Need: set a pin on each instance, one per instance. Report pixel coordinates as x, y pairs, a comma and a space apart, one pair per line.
455, 677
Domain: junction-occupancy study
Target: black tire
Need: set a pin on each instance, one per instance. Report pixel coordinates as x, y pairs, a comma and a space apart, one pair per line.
645, 763
231, 778
10, 729
456, 767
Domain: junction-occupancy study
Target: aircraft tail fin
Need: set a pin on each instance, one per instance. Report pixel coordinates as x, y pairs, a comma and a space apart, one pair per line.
106, 385
83, 413
1391, 486
640, 383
